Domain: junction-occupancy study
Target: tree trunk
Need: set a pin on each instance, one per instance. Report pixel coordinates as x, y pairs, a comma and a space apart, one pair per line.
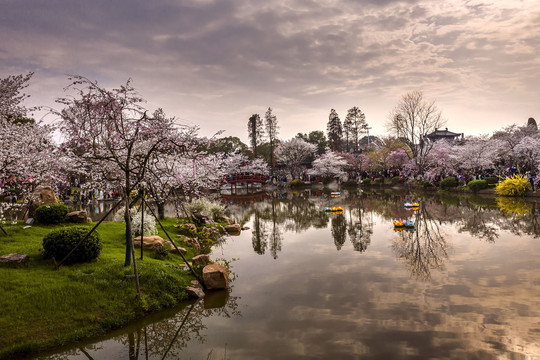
161, 210
129, 239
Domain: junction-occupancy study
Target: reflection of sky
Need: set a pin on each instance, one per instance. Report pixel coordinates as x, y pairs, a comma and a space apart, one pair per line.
313, 301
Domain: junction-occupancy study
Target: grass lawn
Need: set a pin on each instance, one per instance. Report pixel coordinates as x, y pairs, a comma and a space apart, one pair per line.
43, 307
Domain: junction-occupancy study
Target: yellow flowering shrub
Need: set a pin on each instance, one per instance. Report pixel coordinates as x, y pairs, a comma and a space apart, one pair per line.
515, 185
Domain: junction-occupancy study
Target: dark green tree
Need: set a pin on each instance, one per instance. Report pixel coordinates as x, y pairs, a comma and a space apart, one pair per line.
255, 132
356, 124
334, 131
228, 145
272, 129
316, 138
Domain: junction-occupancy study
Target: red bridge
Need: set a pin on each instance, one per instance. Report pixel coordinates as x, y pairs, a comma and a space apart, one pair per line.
235, 179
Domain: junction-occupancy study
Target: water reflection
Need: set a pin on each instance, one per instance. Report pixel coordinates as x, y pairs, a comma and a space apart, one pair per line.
463, 284
423, 248
166, 338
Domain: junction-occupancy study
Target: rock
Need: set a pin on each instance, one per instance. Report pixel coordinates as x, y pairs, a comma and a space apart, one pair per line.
245, 228
180, 250
195, 292
192, 242
79, 217
195, 289
203, 259
14, 259
149, 242
215, 277
42, 195
233, 229
212, 233
227, 220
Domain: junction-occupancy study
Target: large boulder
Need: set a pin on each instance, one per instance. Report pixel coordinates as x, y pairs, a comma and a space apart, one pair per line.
233, 229
215, 277
42, 195
149, 242
14, 259
79, 217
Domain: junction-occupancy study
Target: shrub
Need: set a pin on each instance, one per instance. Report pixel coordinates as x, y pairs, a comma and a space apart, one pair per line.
149, 228
477, 185
378, 180
448, 182
350, 183
58, 243
202, 209
51, 213
205, 242
395, 180
366, 181
297, 183
326, 180
189, 230
492, 180
516, 185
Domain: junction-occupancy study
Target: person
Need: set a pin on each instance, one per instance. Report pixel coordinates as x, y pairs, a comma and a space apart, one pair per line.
532, 177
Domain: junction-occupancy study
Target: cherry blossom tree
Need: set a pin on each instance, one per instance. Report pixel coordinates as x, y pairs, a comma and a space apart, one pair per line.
397, 158
355, 162
114, 137
12, 108
528, 151
27, 150
476, 153
239, 164
293, 153
329, 165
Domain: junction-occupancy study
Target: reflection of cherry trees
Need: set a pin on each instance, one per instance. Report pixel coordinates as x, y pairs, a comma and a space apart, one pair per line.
479, 223
424, 248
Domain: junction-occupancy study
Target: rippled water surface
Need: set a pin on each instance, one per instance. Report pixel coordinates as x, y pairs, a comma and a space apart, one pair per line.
464, 284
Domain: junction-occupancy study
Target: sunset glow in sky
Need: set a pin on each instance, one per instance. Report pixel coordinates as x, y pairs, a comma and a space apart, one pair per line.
215, 62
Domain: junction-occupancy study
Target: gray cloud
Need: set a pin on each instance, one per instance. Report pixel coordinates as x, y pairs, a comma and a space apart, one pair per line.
207, 60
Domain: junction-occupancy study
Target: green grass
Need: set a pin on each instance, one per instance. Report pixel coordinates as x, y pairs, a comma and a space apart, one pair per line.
43, 307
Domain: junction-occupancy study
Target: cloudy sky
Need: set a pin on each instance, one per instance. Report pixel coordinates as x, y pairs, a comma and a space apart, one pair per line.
215, 62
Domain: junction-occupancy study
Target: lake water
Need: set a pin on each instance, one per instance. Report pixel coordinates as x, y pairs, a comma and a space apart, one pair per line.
464, 284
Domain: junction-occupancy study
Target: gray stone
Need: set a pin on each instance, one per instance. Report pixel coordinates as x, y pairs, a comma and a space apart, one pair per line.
14, 259
215, 277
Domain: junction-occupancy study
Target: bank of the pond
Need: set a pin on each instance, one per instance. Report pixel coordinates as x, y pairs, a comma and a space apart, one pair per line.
43, 307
